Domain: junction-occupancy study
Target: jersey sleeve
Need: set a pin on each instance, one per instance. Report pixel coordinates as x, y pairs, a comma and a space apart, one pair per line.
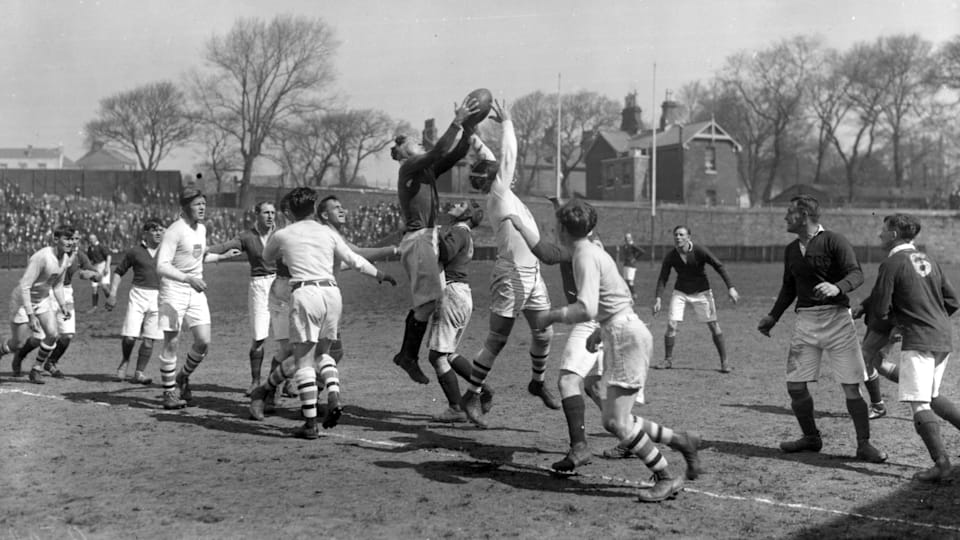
586, 273
125, 263
712, 260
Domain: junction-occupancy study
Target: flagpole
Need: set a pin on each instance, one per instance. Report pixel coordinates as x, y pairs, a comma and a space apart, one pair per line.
653, 168
559, 117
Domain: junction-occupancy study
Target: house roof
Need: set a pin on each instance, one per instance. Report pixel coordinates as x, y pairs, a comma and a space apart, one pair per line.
106, 154
30, 153
621, 141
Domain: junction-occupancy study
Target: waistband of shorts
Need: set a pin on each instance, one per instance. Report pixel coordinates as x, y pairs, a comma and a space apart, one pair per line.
259, 278
625, 315
823, 308
313, 283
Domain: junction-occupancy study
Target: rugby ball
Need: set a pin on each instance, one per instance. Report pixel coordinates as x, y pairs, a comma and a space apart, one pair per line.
485, 99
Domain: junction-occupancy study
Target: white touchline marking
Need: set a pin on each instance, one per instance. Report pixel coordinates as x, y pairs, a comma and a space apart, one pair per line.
758, 500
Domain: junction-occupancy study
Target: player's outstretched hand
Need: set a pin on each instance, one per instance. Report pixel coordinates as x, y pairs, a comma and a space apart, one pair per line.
513, 219
766, 324
381, 277
656, 306
500, 110
111, 303
734, 295
231, 253
594, 340
469, 106
857, 311
34, 323
198, 284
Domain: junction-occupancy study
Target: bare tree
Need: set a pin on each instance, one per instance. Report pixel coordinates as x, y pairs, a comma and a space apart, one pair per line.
261, 74
948, 58
218, 156
358, 134
531, 117
148, 121
306, 149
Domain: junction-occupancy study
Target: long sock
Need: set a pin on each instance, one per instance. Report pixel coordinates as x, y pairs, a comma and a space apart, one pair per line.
306, 379
284, 370
928, 427
873, 388
944, 408
656, 432
639, 444
668, 342
168, 373
256, 362
538, 365
718, 342
573, 409
95, 298
413, 332
126, 349
329, 375
802, 404
447, 378
45, 352
193, 361
461, 366
25, 349
859, 413
482, 365
143, 355
63, 343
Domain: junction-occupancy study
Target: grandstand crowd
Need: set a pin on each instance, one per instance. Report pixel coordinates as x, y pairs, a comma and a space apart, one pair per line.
28, 220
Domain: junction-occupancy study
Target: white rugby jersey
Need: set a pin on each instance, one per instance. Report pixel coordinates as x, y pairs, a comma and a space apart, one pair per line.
181, 252
312, 251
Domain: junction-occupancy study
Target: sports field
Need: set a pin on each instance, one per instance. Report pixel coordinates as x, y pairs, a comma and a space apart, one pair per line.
87, 457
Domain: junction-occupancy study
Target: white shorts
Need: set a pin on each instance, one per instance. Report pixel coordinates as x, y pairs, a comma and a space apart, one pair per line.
629, 272
314, 313
515, 289
67, 324
576, 358
825, 330
143, 314
18, 314
104, 273
419, 255
703, 305
450, 319
258, 307
627, 348
278, 302
921, 373
182, 304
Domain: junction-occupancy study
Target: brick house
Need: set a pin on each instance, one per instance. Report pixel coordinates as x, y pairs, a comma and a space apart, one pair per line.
34, 158
696, 162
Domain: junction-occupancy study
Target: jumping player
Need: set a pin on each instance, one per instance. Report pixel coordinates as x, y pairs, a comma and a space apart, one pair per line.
516, 285
262, 275
603, 295
692, 287
142, 318
182, 295
820, 268
912, 294
419, 204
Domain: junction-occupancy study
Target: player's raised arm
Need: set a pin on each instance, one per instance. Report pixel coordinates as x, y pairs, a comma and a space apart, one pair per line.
347, 256
508, 146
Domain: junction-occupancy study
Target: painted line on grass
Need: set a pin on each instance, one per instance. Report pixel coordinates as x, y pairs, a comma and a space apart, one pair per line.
607, 478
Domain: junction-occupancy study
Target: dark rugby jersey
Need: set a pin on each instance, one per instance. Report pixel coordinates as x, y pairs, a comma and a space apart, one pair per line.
691, 275
249, 242
456, 252
97, 254
416, 185
912, 294
630, 254
829, 257
282, 270
143, 264
80, 262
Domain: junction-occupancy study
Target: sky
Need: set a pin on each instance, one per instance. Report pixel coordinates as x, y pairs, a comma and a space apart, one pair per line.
414, 59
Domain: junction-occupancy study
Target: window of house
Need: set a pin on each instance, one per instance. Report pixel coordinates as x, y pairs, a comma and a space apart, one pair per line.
710, 159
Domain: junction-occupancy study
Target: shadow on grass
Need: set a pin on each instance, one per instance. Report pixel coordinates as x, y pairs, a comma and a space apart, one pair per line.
814, 459
786, 411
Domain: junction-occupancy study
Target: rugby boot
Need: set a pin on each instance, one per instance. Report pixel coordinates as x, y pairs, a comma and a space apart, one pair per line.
725, 367
687, 443
807, 443
183, 386
171, 400
412, 367
486, 399
35, 377
121, 373
450, 416
940, 470
253, 384
616, 452
579, 454
869, 453
52, 369
666, 363
470, 405
334, 410
307, 431
666, 486
537, 388
257, 403
877, 410
140, 378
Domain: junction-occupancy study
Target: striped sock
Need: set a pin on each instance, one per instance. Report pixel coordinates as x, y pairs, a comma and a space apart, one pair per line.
284, 370
482, 365
168, 373
193, 361
538, 364
639, 444
656, 432
306, 379
46, 350
329, 374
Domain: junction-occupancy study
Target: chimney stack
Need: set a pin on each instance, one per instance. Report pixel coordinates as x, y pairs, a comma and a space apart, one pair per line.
631, 119
429, 138
671, 112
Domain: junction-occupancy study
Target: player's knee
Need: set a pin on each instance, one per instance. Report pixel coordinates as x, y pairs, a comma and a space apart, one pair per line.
569, 384
146, 344
714, 328
440, 362
422, 312
257, 345
64, 339
672, 328
851, 391
592, 386
540, 341
798, 391
495, 342
612, 424
200, 347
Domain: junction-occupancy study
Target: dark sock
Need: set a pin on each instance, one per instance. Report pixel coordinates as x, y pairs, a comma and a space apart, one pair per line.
413, 336
721, 347
802, 404
668, 346
63, 343
861, 422
256, 362
928, 427
461, 366
944, 408
143, 355
126, 349
31, 344
873, 389
573, 409
451, 388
